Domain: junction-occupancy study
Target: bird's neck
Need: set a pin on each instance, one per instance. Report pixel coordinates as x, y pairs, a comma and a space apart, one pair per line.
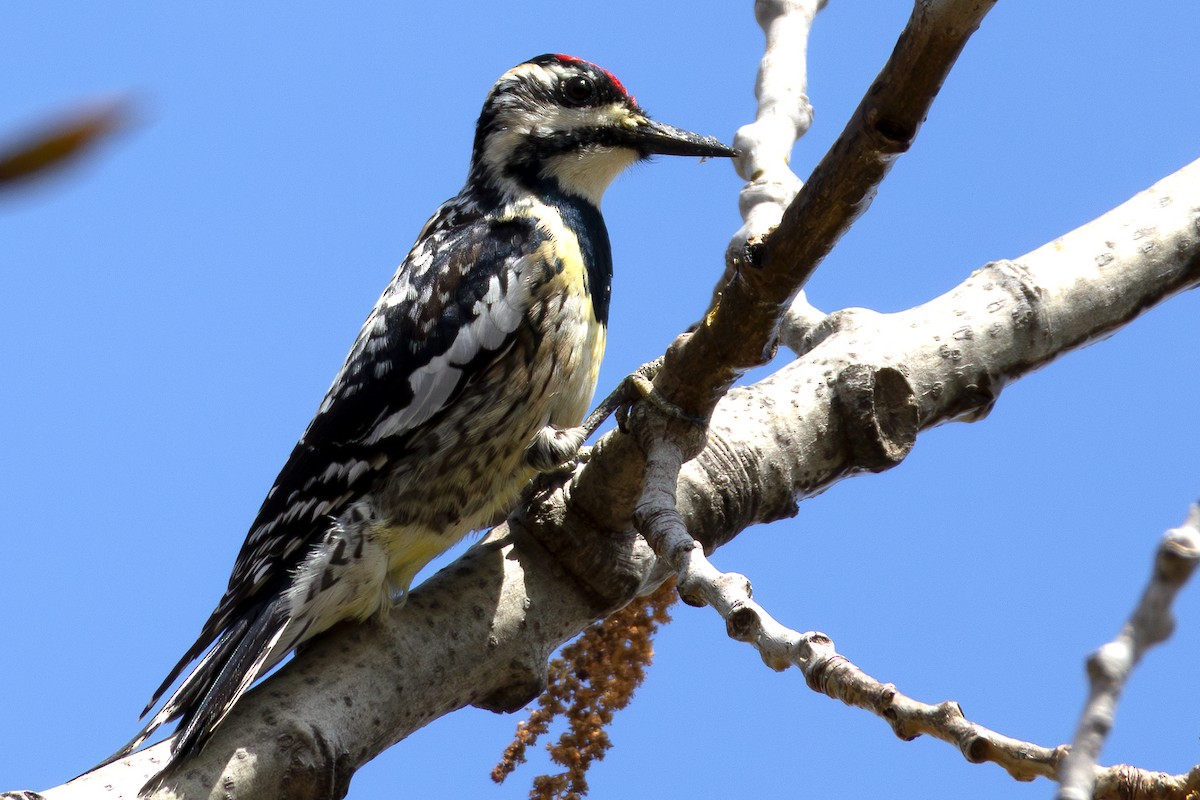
574, 177
575, 211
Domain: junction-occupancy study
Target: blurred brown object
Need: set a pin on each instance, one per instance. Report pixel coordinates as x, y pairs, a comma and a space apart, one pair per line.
59, 142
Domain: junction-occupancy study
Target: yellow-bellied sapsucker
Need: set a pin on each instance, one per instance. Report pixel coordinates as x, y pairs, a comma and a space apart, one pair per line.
470, 374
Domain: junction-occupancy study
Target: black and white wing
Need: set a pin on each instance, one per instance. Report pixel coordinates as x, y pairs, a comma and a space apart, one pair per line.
454, 304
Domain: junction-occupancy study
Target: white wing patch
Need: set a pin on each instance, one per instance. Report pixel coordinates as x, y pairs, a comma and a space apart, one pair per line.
432, 386
495, 316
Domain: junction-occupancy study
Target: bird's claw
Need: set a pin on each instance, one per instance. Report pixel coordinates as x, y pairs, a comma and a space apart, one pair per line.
639, 385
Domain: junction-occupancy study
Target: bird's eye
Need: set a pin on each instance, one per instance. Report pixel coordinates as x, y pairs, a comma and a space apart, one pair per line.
578, 89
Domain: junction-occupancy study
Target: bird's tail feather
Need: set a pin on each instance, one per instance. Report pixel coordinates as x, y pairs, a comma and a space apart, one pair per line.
242, 653
254, 654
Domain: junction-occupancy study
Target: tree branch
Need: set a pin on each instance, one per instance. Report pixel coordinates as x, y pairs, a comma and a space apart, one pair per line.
783, 116
738, 331
1110, 666
829, 673
852, 404
480, 631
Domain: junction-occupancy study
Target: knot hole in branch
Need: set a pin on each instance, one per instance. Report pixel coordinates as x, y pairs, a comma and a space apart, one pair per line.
879, 410
898, 134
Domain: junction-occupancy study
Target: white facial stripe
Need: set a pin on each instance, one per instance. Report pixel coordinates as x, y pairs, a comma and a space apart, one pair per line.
587, 171
531, 72
560, 118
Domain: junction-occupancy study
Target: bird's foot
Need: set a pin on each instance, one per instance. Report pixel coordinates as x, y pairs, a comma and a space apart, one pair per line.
639, 385
554, 447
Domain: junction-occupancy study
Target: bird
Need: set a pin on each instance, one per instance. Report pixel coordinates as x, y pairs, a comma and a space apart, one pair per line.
470, 376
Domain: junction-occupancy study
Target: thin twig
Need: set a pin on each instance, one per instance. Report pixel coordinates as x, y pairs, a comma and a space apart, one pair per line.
828, 672
1110, 666
784, 115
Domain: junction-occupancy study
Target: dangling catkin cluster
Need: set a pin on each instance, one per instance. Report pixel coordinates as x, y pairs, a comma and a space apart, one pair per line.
592, 679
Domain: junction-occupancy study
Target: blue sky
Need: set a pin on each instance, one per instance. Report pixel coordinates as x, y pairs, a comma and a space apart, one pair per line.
172, 310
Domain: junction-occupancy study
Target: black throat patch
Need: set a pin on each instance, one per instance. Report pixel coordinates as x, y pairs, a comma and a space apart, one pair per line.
583, 219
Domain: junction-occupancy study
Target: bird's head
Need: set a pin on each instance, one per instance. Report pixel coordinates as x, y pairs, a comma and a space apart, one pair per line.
562, 120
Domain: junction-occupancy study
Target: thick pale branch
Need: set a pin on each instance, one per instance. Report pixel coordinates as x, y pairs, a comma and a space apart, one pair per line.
854, 401
478, 633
